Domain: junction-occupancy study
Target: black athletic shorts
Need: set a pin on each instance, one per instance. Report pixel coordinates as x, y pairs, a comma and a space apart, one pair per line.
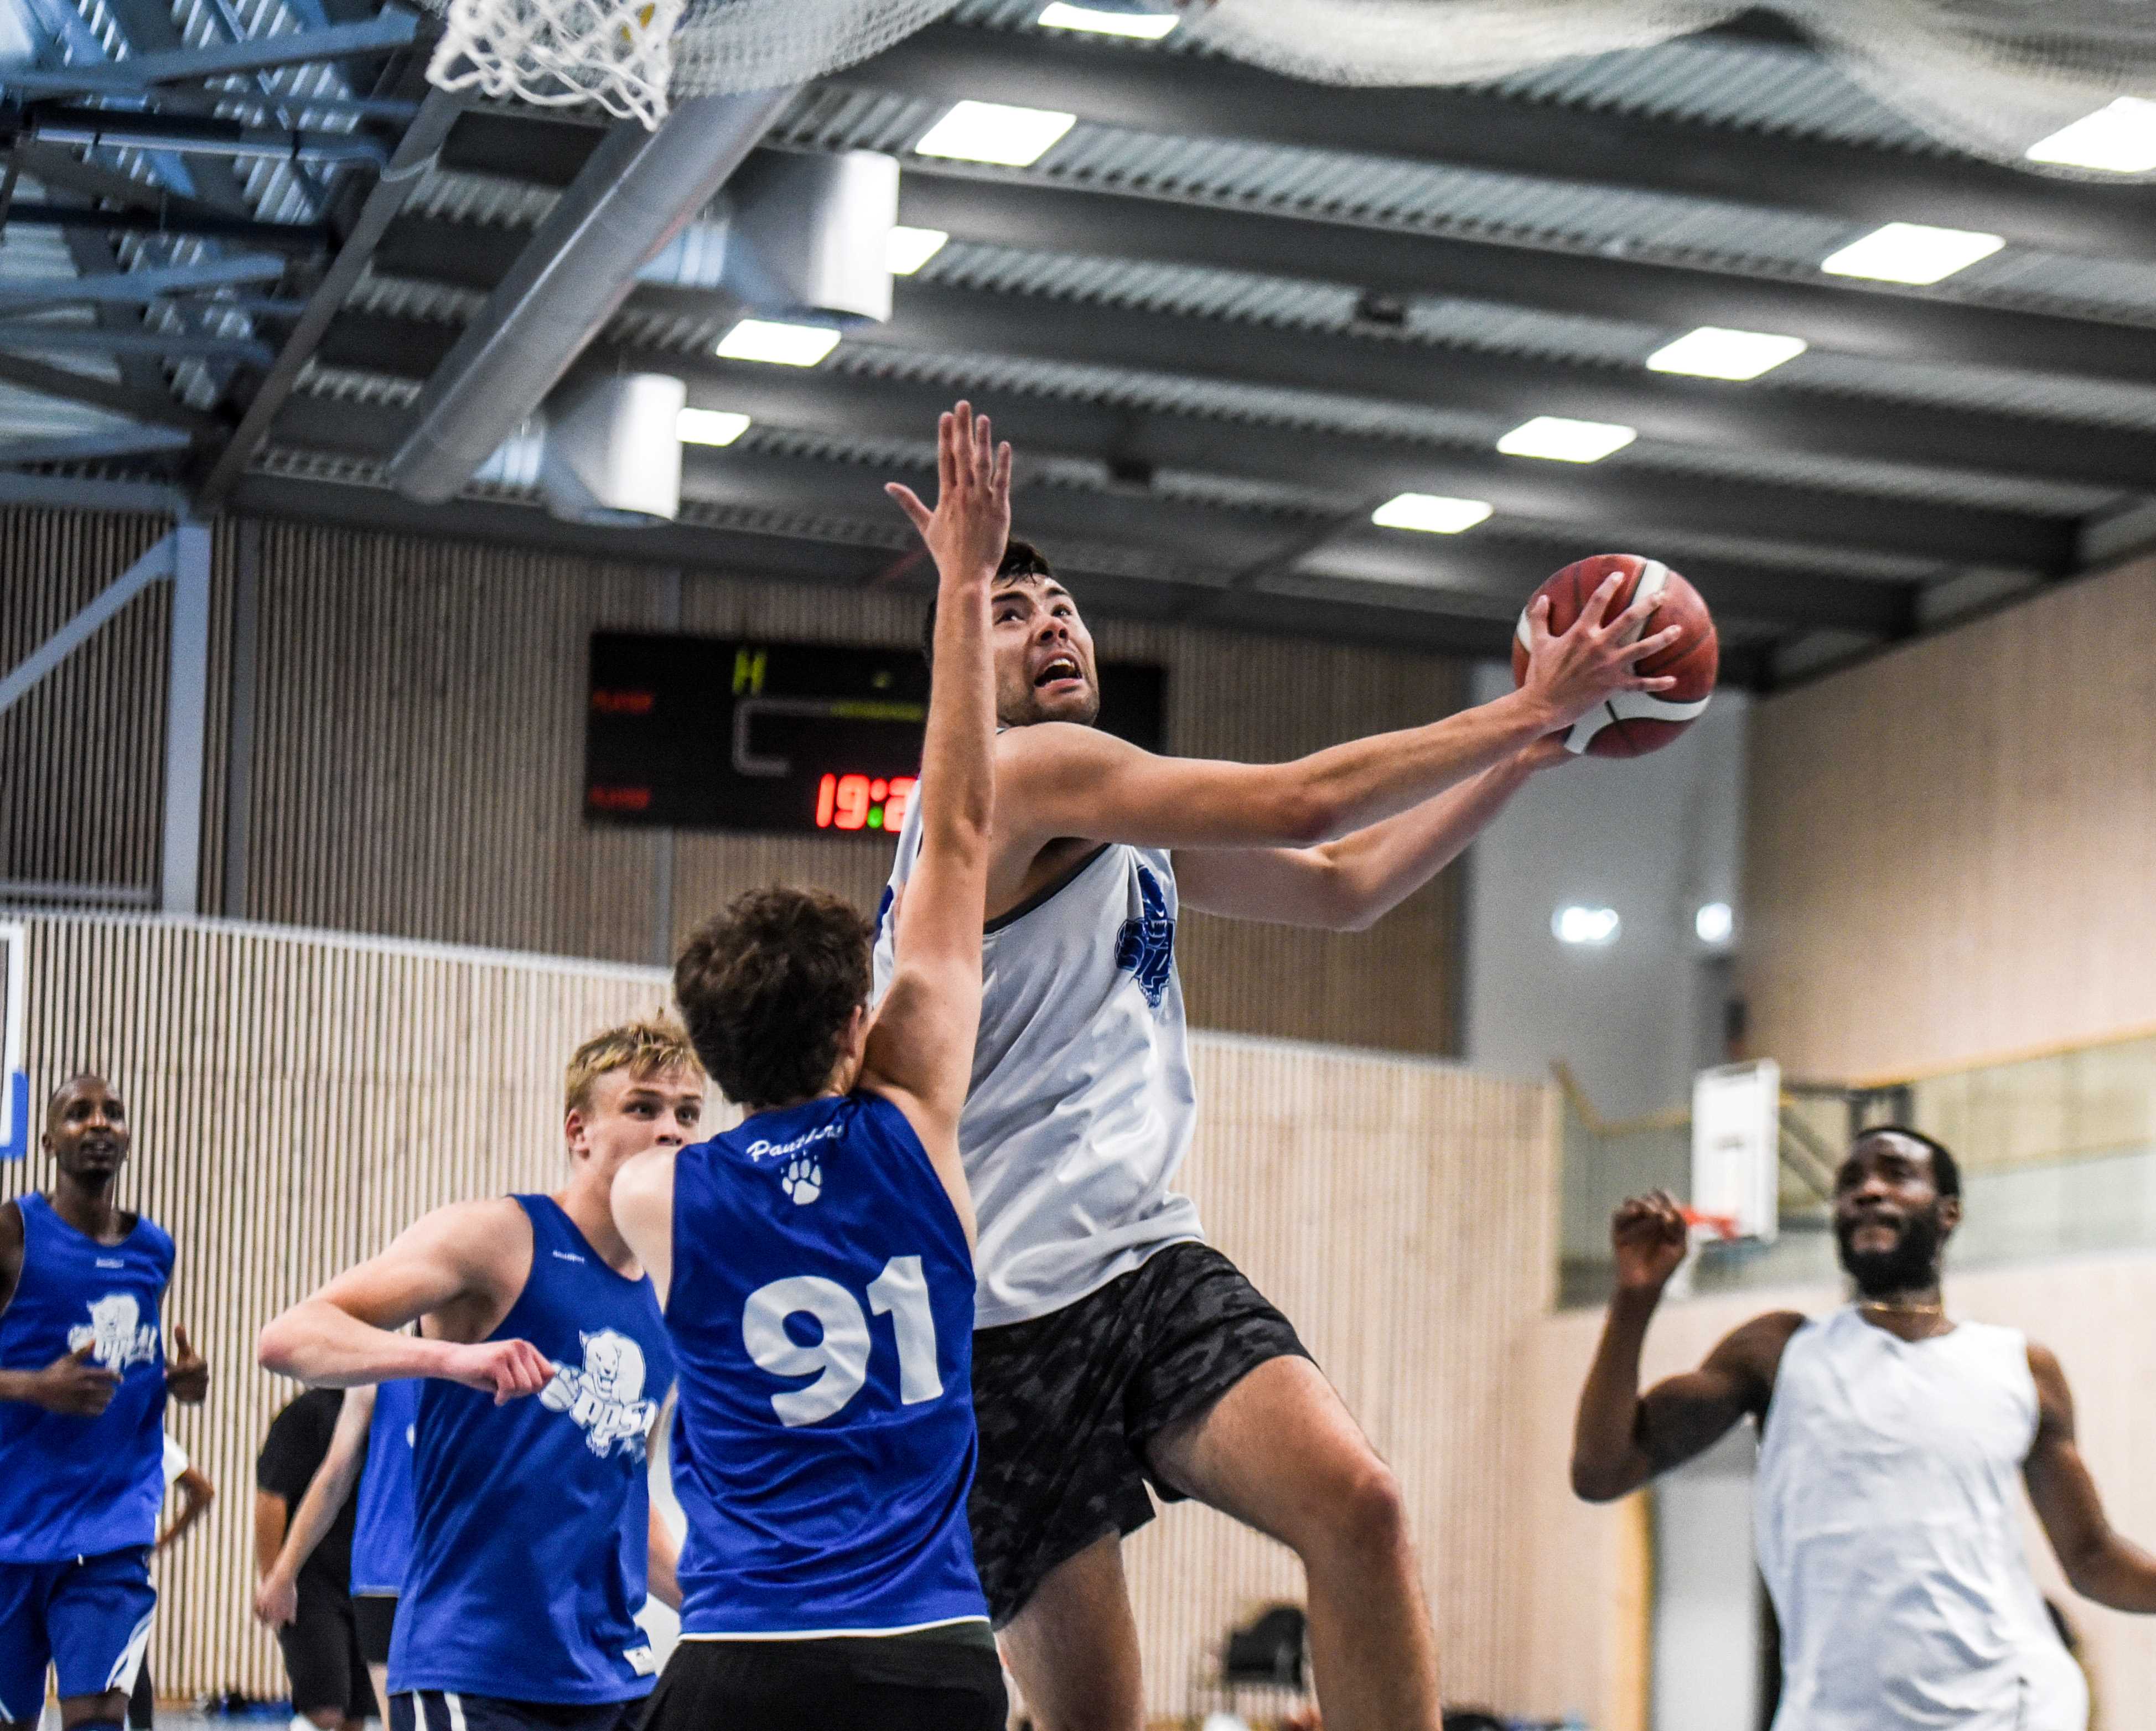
432, 1710
935, 1680
1068, 1404
322, 1656
374, 1615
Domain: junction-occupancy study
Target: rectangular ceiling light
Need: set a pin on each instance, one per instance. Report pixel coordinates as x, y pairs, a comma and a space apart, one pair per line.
994, 132
1146, 25
2120, 139
1912, 252
908, 249
782, 344
1432, 513
1713, 353
709, 426
1549, 436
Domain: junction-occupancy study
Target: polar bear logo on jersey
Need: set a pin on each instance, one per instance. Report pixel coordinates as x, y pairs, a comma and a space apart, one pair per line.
115, 1333
606, 1397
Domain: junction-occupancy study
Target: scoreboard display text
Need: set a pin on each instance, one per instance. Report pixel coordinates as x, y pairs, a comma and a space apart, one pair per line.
729, 734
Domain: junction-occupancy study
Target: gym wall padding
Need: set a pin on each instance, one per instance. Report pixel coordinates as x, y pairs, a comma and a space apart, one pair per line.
299, 1098
1583, 1565
1951, 855
415, 763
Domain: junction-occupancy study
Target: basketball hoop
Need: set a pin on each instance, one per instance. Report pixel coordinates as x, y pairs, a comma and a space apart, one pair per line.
559, 54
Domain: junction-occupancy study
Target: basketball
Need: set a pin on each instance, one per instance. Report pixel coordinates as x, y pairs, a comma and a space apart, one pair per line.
1633, 723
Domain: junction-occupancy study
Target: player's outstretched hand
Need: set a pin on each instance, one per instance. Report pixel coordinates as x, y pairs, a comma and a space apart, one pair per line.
970, 527
187, 1371
277, 1600
1650, 1238
74, 1385
1594, 661
504, 1368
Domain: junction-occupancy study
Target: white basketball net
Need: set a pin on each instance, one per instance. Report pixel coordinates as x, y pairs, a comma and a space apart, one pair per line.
1988, 76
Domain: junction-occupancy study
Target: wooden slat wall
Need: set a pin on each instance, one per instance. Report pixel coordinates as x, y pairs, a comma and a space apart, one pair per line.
1952, 849
418, 748
298, 1099
1581, 1565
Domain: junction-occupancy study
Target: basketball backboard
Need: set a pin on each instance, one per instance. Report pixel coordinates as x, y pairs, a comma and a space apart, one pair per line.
1736, 1135
14, 1022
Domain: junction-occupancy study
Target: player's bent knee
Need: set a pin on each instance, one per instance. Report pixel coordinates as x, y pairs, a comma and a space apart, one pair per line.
1367, 1513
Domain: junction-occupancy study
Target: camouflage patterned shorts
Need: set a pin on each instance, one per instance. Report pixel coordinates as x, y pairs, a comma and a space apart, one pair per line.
1068, 1403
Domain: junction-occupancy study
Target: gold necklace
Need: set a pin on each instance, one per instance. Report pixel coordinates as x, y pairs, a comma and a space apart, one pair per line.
1889, 1309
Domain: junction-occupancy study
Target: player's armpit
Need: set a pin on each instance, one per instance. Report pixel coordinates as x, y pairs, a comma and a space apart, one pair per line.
643, 1202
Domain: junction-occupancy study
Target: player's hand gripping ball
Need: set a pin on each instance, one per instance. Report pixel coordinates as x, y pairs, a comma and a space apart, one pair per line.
1633, 723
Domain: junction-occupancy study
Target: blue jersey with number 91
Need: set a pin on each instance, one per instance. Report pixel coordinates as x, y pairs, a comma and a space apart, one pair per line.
822, 1316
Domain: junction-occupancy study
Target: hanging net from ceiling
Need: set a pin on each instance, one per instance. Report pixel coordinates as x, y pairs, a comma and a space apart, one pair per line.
1990, 77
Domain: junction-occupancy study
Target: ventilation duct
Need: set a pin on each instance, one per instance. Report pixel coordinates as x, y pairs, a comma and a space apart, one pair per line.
797, 237
605, 453
634, 194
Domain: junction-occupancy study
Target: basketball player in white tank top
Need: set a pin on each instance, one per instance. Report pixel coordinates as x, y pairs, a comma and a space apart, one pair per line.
1892, 1437
1116, 1351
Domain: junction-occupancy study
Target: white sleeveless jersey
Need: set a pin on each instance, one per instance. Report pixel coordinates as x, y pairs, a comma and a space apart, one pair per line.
1081, 1105
1887, 1513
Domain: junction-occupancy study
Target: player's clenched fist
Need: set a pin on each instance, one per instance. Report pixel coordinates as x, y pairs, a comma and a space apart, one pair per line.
504, 1368
74, 1385
1649, 1238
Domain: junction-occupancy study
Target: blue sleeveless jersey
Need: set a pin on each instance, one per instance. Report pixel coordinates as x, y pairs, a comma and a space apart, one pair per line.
528, 1520
381, 1524
822, 1314
73, 1487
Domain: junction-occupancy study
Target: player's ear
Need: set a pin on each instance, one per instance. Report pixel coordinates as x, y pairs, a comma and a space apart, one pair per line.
1950, 1214
574, 1133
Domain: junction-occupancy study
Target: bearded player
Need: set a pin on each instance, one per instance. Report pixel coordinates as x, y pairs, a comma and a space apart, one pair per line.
533, 1539
1115, 1350
84, 1380
1891, 1437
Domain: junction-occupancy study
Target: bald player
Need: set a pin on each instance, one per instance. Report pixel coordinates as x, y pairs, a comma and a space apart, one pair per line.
84, 1380
1891, 1437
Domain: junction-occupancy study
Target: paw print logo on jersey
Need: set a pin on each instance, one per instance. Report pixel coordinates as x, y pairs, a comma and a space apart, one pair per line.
1146, 947
115, 1333
802, 1178
605, 1398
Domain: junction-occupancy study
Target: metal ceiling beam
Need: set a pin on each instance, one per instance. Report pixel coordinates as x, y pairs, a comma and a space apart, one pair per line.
159, 408
1666, 407
1620, 498
90, 447
1209, 96
414, 155
394, 29
58, 169
1891, 324
198, 135
39, 336
135, 288
1487, 574
295, 237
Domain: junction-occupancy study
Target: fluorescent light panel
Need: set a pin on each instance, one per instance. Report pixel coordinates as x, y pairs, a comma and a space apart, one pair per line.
1585, 925
1713, 353
1912, 252
782, 344
994, 132
1565, 441
1432, 513
709, 426
2118, 139
1146, 25
909, 249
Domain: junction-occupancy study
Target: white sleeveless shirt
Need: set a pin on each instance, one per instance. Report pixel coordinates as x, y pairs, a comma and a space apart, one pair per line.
1082, 1105
1887, 1517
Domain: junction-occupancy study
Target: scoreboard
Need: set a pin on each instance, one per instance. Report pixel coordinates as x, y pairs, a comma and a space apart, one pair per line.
748, 734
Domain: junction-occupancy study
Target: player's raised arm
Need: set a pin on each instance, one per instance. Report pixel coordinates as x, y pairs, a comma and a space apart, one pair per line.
348, 1332
1058, 780
1621, 1439
920, 1047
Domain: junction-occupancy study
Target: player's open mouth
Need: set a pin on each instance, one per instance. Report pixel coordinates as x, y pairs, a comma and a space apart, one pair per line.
1062, 670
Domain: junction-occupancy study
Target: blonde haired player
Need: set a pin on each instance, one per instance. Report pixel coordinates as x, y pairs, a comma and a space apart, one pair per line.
530, 1517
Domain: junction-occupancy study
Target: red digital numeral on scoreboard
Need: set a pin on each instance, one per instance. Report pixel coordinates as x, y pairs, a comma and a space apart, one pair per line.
862, 802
